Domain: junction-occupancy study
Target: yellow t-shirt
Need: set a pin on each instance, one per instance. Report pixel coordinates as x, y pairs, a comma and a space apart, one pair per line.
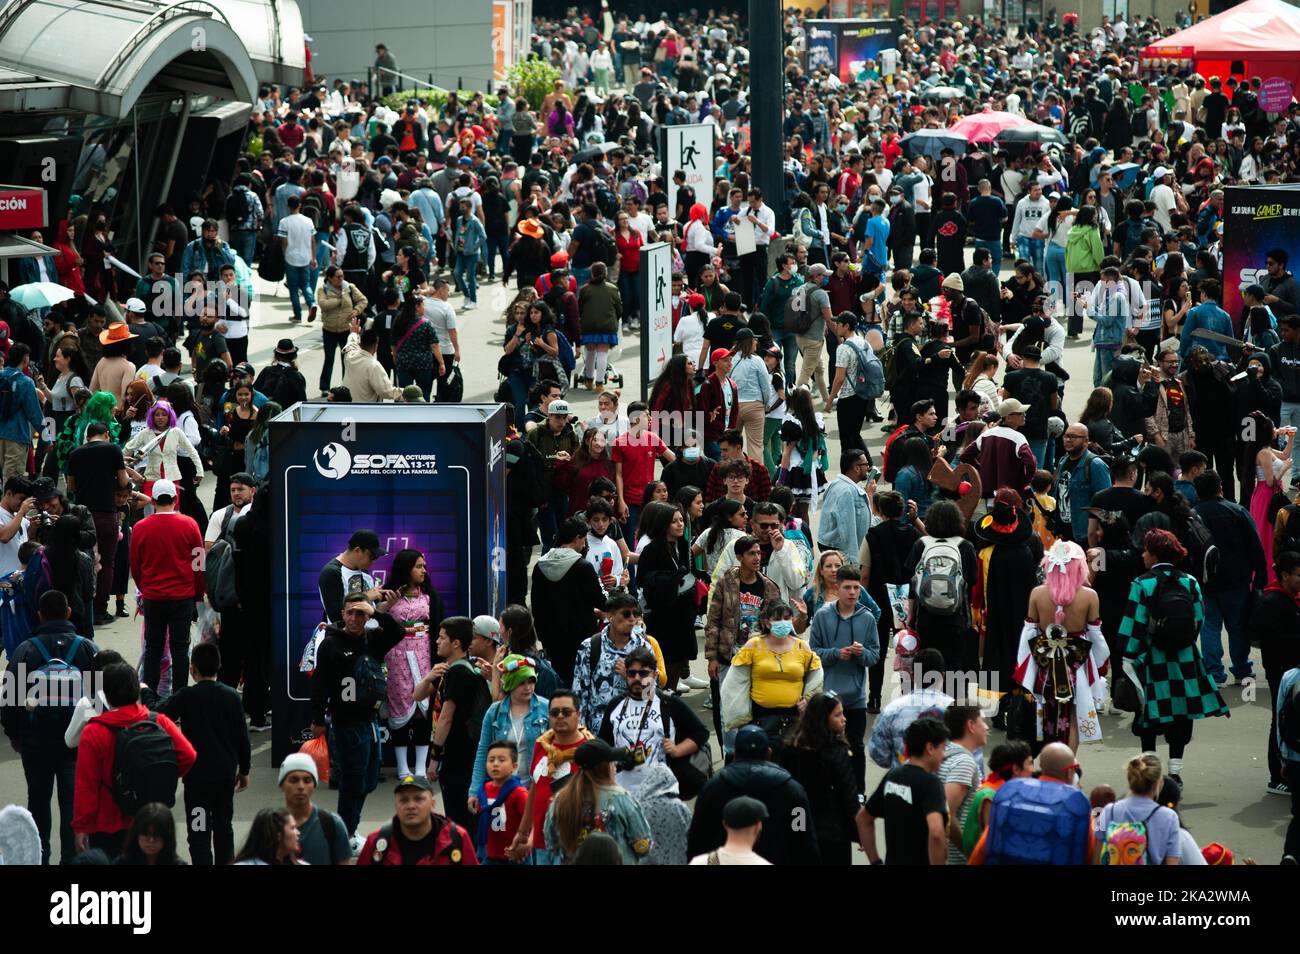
776, 679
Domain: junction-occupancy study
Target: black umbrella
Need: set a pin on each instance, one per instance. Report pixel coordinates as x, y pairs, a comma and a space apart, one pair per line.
1044, 135
591, 153
931, 142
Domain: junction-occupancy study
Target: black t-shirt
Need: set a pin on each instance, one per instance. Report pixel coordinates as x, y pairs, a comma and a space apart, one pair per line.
905, 797
1128, 500
721, 331
94, 467
413, 851
464, 686
1035, 387
986, 215
1216, 110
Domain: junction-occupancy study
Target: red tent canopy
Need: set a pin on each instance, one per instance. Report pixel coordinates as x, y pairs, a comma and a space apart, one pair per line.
1263, 35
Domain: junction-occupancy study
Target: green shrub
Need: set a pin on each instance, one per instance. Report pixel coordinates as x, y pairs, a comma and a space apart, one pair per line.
436, 98
533, 80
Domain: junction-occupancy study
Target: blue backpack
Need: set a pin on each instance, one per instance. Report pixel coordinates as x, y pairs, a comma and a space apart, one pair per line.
56, 685
1033, 822
566, 357
869, 378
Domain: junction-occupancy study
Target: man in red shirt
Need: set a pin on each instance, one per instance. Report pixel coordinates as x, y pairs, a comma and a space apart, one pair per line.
417, 835
98, 820
634, 455
167, 564
291, 134
719, 402
551, 763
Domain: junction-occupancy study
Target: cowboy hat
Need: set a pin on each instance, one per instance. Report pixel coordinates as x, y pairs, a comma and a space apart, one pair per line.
532, 228
117, 331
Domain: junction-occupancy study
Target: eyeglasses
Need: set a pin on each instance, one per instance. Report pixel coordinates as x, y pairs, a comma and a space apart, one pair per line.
638, 674
562, 713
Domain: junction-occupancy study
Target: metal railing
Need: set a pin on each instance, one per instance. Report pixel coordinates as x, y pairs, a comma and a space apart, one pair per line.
200, 8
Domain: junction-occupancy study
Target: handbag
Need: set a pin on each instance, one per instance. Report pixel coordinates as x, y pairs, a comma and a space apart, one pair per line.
451, 389
1124, 694
692, 771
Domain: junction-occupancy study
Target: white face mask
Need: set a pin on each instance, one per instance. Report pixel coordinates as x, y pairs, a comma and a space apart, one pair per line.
895, 199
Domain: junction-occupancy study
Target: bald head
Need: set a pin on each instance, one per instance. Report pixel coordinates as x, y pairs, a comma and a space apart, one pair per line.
1055, 761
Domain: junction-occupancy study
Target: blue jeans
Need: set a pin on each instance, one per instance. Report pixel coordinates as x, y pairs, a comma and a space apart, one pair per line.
1291, 418
1228, 608
423, 378
1032, 249
299, 279
789, 343
550, 517
50, 766
629, 528
1056, 268
580, 275
519, 385
1039, 447
245, 243
995, 249
1103, 360
355, 749
629, 287
467, 275
321, 260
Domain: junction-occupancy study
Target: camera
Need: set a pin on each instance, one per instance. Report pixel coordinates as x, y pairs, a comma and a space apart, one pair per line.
629, 759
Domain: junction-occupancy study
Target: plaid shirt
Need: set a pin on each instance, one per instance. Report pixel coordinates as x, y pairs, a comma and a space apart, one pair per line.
585, 193
1174, 685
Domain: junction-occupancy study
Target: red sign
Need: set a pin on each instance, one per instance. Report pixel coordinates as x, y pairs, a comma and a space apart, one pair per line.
22, 209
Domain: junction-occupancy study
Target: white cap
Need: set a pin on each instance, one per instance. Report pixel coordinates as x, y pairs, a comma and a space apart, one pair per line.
487, 626
164, 488
136, 305
1160, 172
298, 762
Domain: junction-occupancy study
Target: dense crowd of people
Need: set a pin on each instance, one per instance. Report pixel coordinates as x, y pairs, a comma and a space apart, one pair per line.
1008, 566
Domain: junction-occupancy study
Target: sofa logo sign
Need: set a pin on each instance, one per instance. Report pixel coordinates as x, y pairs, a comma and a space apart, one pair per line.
335, 462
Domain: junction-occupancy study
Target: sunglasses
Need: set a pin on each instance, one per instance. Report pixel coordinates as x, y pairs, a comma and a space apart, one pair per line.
562, 713
769, 526
638, 674
630, 614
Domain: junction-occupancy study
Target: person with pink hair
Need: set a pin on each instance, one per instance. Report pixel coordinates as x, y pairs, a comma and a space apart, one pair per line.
1063, 655
160, 445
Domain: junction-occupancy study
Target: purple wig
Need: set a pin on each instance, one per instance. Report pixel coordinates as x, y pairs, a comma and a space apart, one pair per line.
171, 416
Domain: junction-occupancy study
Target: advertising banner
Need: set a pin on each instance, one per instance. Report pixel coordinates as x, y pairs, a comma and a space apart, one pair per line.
503, 38
427, 477
22, 208
1256, 220
689, 149
845, 45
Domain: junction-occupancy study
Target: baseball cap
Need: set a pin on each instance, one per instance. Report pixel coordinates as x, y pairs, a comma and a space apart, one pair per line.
752, 741
717, 354
366, 540
744, 811
1011, 406
1160, 172
298, 762
413, 781
164, 490
136, 305
559, 408
488, 627
595, 752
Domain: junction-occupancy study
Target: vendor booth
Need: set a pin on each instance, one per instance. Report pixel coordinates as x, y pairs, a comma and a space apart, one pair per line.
1255, 38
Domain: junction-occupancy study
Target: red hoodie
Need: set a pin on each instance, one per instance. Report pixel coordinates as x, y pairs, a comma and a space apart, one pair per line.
165, 551
94, 809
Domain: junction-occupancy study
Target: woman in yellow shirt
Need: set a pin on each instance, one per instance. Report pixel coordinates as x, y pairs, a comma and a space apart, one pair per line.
771, 677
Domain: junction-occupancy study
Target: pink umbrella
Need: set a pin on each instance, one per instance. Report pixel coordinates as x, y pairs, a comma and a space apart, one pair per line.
985, 126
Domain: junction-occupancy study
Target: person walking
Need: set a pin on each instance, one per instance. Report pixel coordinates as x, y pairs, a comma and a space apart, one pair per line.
754, 390
340, 303
297, 237
163, 564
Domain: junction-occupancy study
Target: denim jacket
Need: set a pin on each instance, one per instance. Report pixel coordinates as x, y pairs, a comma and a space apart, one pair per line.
496, 725
1111, 318
470, 236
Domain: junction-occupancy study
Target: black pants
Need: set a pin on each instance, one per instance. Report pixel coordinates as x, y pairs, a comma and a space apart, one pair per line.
753, 275
455, 795
334, 341
209, 818
884, 634
850, 412
51, 767
1219, 451
923, 228
855, 730
167, 622
517, 557
835, 853
246, 651
1292, 844
1177, 733
238, 349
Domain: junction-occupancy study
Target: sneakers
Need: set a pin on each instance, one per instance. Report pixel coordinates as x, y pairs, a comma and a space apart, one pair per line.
682, 687
1178, 780
1289, 860
695, 682
104, 619
263, 726
1279, 788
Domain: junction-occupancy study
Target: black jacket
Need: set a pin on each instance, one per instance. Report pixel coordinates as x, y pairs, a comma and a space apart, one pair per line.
211, 715
1275, 624
335, 662
1133, 405
57, 638
827, 777
1285, 359
781, 842
564, 609
1241, 555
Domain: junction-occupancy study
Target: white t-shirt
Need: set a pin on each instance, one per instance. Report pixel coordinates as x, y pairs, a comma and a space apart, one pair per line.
728, 857
888, 62
9, 551
884, 178
626, 721
297, 228
1163, 197
642, 223
846, 358
598, 548
690, 335
921, 194
213, 532
443, 318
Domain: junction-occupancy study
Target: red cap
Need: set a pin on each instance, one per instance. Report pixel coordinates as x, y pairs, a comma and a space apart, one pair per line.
559, 259
694, 300
718, 354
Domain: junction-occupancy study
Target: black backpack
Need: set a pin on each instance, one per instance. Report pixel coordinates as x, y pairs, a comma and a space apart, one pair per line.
1202, 554
1172, 616
313, 206
606, 250
607, 202
370, 680
144, 765
237, 207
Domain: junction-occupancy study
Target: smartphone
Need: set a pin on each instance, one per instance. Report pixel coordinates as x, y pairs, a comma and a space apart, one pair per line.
873, 474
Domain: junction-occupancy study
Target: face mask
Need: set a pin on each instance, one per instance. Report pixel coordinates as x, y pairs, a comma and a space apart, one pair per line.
895, 199
690, 454
782, 627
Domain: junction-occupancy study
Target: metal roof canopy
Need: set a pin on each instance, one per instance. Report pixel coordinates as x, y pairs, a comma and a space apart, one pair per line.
14, 246
125, 46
